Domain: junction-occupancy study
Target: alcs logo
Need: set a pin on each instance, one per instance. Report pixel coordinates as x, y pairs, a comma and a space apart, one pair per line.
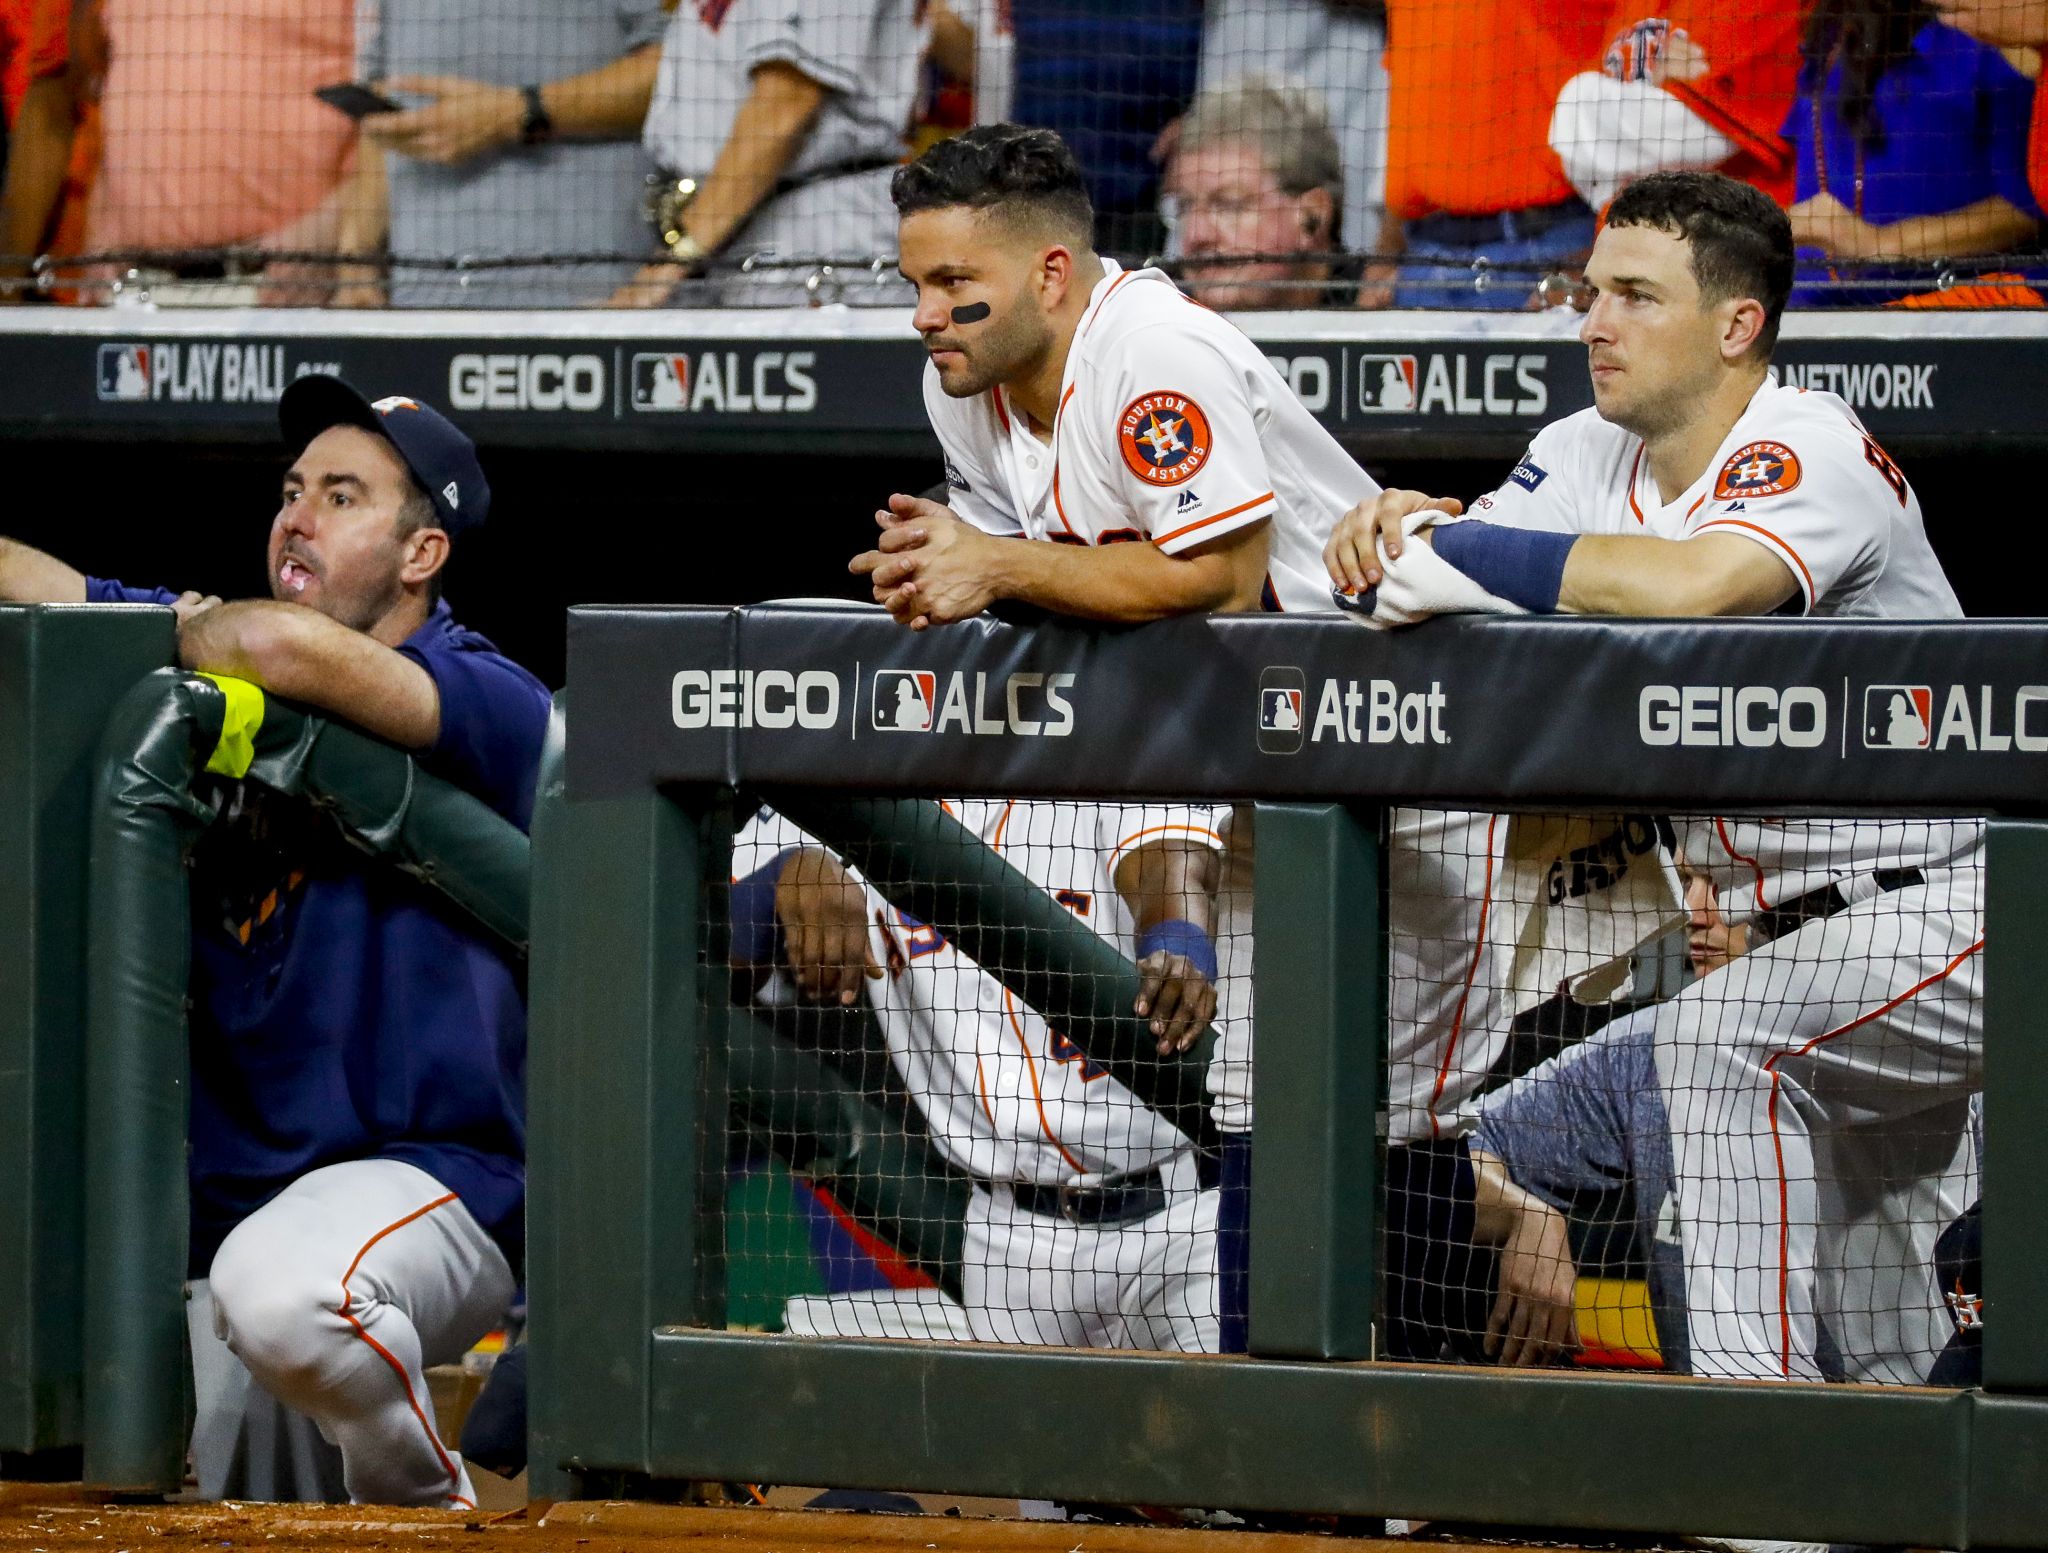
1902, 717
921, 701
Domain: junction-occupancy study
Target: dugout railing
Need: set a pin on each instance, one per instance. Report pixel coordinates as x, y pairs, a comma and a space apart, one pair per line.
635, 1383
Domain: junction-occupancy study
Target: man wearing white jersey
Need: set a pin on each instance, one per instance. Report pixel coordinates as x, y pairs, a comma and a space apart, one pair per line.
1175, 473
1697, 485
1089, 1224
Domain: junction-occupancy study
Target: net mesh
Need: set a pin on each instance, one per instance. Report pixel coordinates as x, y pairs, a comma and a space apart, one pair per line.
1277, 153
1690, 1094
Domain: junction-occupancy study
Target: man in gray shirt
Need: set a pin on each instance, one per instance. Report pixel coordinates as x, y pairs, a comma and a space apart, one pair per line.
522, 141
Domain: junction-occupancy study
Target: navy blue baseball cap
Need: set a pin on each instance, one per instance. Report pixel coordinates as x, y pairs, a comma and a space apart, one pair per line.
441, 458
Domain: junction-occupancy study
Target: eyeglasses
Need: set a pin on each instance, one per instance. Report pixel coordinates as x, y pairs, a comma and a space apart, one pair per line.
1226, 206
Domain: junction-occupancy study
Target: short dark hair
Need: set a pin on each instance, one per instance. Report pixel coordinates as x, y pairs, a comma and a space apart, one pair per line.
1003, 167
1739, 240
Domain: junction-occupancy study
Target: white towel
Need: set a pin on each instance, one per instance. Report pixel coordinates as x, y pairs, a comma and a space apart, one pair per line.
1420, 584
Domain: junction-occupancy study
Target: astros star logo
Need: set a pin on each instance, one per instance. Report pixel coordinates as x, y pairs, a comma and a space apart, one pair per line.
1757, 469
1164, 437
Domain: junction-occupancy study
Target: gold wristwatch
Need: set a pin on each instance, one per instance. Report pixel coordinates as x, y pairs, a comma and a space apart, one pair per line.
667, 199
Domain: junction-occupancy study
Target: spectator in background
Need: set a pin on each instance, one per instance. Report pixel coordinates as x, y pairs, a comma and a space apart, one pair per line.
1338, 49
1470, 171
1109, 76
973, 51
779, 129
1911, 140
213, 137
2013, 24
1255, 170
49, 154
524, 145
1695, 84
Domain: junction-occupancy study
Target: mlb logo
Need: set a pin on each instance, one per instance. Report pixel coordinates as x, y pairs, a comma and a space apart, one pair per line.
1387, 385
1281, 693
1898, 717
905, 700
124, 373
661, 382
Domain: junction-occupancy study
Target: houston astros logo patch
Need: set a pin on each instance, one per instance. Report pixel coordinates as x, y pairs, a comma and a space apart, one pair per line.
1164, 437
1758, 469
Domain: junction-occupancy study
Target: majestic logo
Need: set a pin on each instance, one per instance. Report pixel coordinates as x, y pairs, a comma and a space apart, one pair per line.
1898, 717
1164, 436
124, 372
1758, 469
1282, 690
1188, 502
905, 700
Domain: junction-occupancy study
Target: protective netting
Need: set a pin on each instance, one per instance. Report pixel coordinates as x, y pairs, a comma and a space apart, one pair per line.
1280, 153
1680, 1093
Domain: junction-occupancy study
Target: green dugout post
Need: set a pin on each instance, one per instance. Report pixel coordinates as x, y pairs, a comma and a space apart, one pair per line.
2015, 1090
62, 668
1320, 988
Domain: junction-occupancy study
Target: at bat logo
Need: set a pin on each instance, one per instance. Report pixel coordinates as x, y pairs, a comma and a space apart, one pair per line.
1164, 437
1982, 718
921, 701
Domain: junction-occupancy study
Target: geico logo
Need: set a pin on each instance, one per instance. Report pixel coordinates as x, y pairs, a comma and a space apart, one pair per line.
1721, 716
1975, 726
754, 698
1308, 376
541, 382
1026, 704
1379, 713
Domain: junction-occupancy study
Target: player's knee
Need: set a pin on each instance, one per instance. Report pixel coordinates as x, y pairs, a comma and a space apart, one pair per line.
279, 1318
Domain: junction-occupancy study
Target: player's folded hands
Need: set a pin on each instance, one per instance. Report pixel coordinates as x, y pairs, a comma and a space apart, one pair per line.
823, 912
1351, 554
1177, 998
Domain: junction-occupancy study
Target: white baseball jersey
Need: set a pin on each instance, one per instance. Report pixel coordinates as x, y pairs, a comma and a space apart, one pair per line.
1007, 1098
1800, 476
1172, 429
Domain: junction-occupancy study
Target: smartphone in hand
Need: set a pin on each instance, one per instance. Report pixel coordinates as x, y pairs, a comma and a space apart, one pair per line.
355, 99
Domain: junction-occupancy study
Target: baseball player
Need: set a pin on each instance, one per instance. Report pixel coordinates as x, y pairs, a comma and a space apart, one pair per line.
1089, 1224
357, 1132
1706, 83
1697, 485
1174, 472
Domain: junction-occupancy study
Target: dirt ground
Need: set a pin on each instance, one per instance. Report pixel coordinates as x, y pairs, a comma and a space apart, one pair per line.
47, 1518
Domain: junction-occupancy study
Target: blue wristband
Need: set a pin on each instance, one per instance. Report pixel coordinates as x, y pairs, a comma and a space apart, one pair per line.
1177, 935
1523, 566
750, 913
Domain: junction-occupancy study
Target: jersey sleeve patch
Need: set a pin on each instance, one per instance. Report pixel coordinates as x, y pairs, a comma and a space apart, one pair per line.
1164, 437
1757, 469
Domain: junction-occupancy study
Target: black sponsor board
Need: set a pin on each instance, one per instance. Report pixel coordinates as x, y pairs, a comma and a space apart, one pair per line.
1781, 717
790, 383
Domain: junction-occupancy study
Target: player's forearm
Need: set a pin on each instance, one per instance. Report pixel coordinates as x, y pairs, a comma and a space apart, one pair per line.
1170, 880
1629, 574
301, 655
607, 103
771, 125
39, 150
27, 576
363, 204
1126, 584
1991, 225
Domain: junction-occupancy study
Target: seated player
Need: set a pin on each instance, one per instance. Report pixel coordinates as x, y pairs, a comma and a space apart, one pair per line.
1697, 485
1090, 1224
357, 1131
